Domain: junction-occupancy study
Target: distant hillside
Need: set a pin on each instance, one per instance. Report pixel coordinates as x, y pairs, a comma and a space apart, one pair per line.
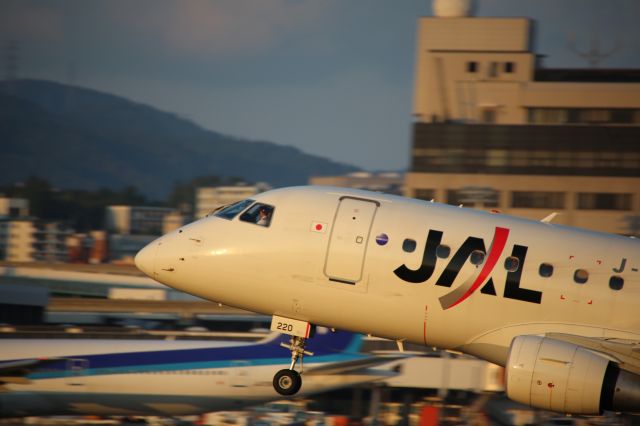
80, 138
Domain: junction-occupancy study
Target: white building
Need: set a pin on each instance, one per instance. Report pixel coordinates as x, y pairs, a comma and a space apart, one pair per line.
14, 207
210, 198
28, 240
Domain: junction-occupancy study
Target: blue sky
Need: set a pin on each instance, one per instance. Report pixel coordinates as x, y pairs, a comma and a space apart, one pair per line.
331, 77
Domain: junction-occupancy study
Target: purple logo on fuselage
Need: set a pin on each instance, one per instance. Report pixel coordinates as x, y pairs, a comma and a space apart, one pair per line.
382, 239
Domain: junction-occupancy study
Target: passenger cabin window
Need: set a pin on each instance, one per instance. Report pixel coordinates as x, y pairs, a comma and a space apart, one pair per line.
581, 276
260, 214
546, 270
232, 210
511, 263
616, 283
409, 245
477, 257
443, 251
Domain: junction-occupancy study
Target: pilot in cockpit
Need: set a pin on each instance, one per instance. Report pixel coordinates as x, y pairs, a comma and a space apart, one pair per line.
258, 213
264, 216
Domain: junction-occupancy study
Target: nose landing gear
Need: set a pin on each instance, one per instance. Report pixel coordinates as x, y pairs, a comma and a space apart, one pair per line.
288, 381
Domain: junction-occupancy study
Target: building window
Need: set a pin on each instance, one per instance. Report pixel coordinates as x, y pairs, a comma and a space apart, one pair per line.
509, 67
409, 245
537, 200
623, 116
472, 66
472, 196
603, 201
488, 115
581, 276
573, 115
616, 283
453, 197
596, 116
546, 270
424, 194
583, 115
497, 157
548, 115
493, 69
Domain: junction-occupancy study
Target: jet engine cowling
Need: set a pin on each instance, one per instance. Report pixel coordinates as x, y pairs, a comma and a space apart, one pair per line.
564, 377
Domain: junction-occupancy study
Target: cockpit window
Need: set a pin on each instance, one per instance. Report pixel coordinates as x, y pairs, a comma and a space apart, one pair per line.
232, 210
260, 214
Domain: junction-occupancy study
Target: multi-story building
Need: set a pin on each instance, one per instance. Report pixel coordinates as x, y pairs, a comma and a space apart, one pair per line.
495, 129
389, 182
13, 207
28, 240
136, 220
133, 227
210, 198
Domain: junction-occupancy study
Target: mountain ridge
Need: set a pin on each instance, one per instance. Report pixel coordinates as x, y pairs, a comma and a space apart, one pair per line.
82, 138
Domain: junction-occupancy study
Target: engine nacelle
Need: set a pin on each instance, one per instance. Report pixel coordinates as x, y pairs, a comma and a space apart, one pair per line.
560, 376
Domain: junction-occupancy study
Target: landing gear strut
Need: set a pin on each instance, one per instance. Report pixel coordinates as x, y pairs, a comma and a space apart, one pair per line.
288, 381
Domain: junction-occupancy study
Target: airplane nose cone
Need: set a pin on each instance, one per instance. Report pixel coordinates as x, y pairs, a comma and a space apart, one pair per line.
146, 258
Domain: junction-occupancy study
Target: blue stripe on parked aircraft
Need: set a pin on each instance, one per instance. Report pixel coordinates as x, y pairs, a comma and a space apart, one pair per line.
182, 366
326, 348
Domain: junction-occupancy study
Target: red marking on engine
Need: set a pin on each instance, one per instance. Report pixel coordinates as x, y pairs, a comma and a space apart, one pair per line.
319, 227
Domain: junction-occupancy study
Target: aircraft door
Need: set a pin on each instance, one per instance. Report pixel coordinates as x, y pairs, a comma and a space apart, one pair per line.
77, 369
239, 374
349, 238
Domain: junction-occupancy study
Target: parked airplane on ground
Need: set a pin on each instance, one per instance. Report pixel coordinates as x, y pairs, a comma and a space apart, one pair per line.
557, 306
168, 378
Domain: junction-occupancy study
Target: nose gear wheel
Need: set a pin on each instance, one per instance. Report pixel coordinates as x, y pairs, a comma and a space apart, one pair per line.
288, 381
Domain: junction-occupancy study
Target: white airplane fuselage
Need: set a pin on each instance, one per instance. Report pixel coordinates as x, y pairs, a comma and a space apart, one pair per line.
165, 378
405, 270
